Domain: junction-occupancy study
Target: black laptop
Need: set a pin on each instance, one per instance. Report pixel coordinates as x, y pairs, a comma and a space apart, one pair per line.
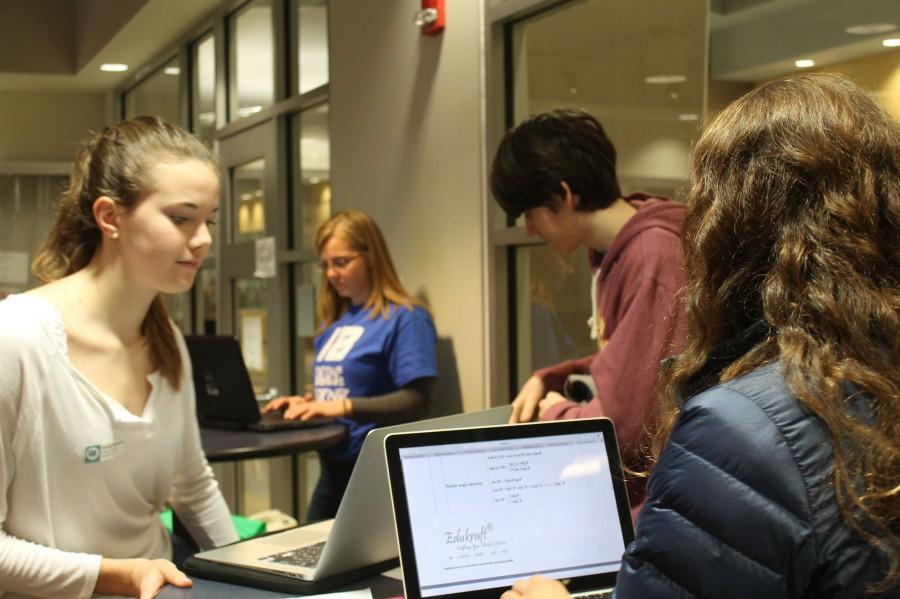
478, 508
225, 397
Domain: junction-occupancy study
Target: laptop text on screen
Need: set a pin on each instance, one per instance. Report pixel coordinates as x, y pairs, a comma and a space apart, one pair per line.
480, 515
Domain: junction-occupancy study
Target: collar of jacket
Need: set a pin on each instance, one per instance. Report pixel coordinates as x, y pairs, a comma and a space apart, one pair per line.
722, 355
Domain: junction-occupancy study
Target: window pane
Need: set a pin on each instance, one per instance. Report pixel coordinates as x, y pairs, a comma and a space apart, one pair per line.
312, 193
204, 87
251, 321
312, 27
553, 304
157, 94
252, 53
247, 199
637, 66
640, 69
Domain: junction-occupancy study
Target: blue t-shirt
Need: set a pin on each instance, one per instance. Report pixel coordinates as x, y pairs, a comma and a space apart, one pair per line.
359, 356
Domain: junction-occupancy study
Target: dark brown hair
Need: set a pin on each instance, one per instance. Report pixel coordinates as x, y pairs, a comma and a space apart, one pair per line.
541, 152
359, 231
116, 163
794, 221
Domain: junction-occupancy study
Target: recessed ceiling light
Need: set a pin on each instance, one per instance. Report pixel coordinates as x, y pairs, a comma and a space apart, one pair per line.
891, 43
664, 79
804, 63
113, 67
870, 28
172, 70
688, 117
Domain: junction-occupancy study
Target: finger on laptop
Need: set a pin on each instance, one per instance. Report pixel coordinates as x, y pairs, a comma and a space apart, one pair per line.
279, 403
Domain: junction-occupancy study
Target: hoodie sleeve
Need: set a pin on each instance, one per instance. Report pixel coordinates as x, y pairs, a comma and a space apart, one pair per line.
642, 327
554, 377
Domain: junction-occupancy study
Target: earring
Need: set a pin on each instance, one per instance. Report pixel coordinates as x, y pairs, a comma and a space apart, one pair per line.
115, 235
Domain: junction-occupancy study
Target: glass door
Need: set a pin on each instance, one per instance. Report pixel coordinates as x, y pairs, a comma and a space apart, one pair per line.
252, 291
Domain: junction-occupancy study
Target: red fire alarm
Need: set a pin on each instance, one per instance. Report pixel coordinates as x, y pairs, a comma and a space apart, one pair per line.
432, 18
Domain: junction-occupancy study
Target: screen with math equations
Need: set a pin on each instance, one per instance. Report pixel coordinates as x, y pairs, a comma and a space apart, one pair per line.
486, 514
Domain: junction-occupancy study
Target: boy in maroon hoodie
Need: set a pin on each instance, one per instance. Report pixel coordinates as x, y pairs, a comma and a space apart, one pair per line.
558, 169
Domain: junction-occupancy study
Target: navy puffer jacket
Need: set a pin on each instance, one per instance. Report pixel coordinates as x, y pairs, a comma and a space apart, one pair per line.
741, 505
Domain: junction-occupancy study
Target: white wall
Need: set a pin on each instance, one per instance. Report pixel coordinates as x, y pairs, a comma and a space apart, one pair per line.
406, 147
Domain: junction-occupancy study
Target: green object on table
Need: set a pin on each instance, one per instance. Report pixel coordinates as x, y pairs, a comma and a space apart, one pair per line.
246, 528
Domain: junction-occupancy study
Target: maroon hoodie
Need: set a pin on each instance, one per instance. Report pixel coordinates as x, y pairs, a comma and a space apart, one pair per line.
640, 275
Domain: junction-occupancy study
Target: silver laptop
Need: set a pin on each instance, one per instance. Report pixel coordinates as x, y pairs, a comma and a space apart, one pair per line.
477, 509
357, 543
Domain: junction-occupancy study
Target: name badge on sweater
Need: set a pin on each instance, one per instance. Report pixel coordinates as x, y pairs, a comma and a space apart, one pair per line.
94, 454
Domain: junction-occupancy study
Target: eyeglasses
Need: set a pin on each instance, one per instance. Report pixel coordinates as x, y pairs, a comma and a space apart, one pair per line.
339, 263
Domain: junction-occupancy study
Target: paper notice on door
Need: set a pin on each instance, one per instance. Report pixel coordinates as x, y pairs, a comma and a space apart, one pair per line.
265, 258
252, 340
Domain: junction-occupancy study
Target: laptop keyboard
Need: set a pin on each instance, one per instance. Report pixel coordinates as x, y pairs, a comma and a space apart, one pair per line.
602, 595
304, 557
274, 421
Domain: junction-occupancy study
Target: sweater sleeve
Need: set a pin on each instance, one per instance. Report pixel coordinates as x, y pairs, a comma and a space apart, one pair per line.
403, 405
195, 494
554, 377
25, 567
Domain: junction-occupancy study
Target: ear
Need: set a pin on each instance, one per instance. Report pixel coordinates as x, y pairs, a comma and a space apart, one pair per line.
570, 199
106, 215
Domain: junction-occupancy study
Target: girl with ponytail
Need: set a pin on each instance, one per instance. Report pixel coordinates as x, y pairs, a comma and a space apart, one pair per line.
97, 424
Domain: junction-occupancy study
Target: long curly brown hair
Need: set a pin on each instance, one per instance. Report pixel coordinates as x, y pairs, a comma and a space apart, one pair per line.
794, 220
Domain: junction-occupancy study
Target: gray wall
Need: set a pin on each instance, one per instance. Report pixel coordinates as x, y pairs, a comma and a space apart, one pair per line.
406, 143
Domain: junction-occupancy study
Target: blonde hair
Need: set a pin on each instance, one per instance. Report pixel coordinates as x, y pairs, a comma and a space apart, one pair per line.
360, 232
116, 163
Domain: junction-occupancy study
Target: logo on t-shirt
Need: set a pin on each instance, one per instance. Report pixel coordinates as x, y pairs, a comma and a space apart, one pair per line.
340, 343
329, 383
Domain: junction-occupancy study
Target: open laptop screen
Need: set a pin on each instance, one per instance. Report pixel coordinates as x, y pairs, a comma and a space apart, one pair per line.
483, 514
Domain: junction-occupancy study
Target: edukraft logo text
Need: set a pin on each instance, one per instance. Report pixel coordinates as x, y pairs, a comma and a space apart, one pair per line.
467, 535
